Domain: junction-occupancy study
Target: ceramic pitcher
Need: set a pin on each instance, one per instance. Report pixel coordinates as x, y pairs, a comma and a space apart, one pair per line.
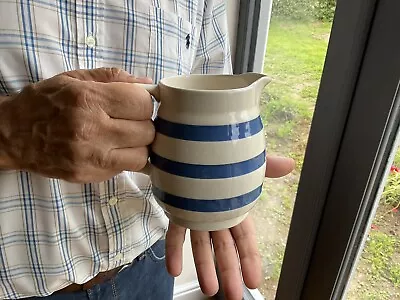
207, 162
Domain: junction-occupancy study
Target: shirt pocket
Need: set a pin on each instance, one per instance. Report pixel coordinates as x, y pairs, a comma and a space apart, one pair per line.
171, 50
124, 37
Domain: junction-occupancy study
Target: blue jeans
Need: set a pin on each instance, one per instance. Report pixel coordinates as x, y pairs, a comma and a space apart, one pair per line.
145, 279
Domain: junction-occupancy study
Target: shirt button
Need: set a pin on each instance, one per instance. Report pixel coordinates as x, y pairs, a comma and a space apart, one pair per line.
119, 256
90, 41
113, 201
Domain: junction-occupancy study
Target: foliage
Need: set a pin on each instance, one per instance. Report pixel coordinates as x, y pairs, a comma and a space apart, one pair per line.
379, 249
380, 252
391, 193
325, 9
295, 9
294, 60
305, 9
295, 55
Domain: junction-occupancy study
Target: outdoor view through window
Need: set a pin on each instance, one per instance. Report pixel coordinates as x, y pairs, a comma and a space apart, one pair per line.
296, 49
377, 275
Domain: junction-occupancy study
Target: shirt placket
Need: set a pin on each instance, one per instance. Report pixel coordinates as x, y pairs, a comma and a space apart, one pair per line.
86, 33
89, 25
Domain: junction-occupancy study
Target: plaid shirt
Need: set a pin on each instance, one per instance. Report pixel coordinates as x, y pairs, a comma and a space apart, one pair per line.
54, 233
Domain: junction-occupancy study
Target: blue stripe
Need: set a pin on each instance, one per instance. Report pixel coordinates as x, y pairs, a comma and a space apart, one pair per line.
207, 205
159, 60
31, 232
63, 233
5, 272
89, 206
3, 85
208, 171
179, 60
27, 42
127, 27
202, 133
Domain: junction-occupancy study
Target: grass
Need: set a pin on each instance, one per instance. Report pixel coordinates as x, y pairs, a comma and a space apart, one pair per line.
391, 194
378, 253
294, 60
378, 271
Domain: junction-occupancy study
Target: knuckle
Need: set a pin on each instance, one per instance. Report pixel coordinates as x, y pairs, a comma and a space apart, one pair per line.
102, 159
67, 158
115, 72
31, 89
150, 132
201, 242
75, 176
81, 122
73, 154
224, 245
256, 256
143, 103
147, 107
86, 129
81, 96
253, 255
79, 127
112, 73
142, 158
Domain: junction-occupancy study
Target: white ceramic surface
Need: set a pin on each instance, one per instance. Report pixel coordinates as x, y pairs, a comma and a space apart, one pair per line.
208, 157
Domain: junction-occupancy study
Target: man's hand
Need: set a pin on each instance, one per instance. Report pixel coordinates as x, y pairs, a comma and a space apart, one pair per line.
81, 126
227, 244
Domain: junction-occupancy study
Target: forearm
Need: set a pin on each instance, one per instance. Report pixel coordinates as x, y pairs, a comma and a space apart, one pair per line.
6, 161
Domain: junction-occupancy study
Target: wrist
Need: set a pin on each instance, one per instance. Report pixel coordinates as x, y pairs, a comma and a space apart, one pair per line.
6, 160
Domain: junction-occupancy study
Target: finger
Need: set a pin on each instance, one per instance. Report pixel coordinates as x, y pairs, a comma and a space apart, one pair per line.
244, 235
173, 248
106, 75
204, 261
128, 159
123, 100
279, 166
228, 264
130, 134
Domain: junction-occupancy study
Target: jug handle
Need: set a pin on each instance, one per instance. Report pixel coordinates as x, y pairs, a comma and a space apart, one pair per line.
153, 89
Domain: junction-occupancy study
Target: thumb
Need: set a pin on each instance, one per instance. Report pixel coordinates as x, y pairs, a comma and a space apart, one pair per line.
105, 75
279, 166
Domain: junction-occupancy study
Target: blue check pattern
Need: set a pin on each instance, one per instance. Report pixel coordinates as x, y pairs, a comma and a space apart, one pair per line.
54, 233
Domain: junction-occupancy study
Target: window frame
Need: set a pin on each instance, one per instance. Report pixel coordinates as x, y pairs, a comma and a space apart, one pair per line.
368, 140
360, 78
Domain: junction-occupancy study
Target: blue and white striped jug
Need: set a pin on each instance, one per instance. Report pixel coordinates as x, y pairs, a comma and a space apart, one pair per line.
207, 162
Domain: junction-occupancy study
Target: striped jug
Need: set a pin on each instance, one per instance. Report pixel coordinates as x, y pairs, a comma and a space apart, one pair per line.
207, 162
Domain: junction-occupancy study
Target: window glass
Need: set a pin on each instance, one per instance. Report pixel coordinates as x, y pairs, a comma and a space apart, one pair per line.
296, 49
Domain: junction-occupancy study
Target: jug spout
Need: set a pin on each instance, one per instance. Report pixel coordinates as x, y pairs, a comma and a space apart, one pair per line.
256, 81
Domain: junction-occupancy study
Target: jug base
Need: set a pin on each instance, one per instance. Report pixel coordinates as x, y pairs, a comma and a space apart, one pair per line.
210, 225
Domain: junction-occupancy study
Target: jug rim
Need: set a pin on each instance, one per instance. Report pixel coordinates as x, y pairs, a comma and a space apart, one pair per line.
166, 82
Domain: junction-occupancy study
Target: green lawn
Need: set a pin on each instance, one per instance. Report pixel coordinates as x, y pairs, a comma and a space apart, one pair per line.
294, 60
